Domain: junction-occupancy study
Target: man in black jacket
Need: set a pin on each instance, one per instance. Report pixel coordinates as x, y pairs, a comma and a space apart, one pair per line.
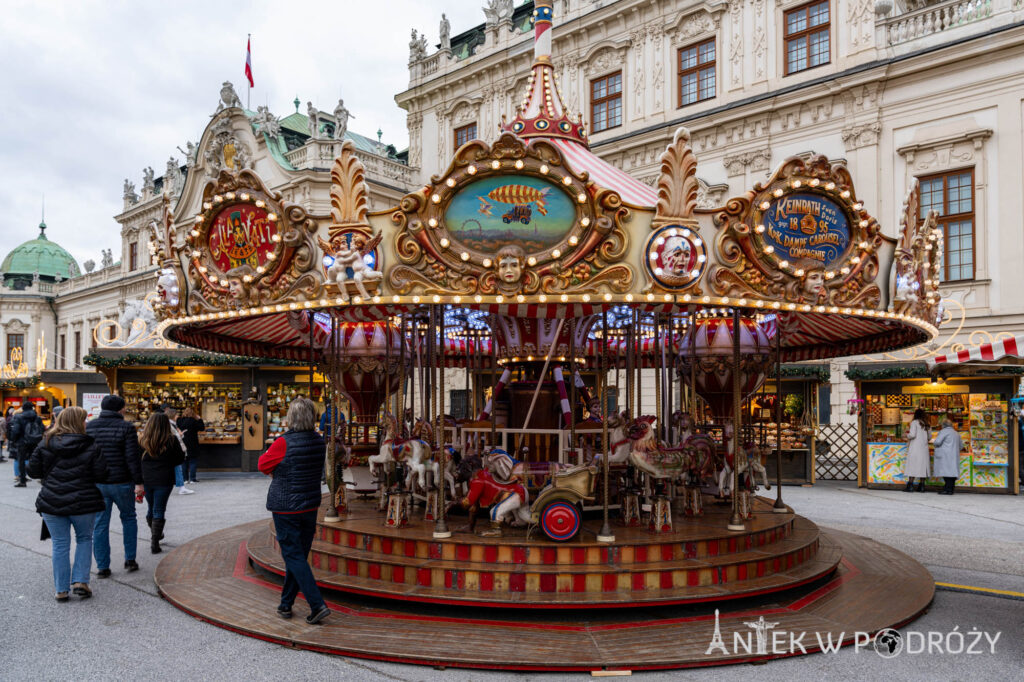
26, 433
120, 447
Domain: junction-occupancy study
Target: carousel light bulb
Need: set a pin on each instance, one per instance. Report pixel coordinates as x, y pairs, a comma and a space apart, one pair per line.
765, 205
487, 262
574, 240
855, 260
478, 298
584, 221
444, 242
653, 256
307, 304
357, 299
202, 268
776, 305
272, 217
556, 254
207, 206
432, 222
759, 229
706, 299
271, 256
521, 298
437, 299
607, 297
464, 256
519, 164
230, 196
499, 298
450, 182
564, 297
796, 184
544, 169
695, 273
814, 182
687, 297
783, 264
471, 170
863, 223
436, 198
415, 299
845, 194
799, 272
531, 261
566, 180
769, 249
829, 274
581, 197
806, 308
260, 203
830, 186
217, 198
276, 237
495, 164
658, 271
542, 298
844, 270
777, 193
247, 278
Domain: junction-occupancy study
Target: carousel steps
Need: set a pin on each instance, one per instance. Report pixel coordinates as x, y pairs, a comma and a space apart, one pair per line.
529, 586
698, 560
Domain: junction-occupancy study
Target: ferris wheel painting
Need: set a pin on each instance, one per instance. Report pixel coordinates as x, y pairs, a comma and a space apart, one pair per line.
493, 212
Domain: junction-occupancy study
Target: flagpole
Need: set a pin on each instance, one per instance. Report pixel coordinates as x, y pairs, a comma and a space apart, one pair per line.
248, 55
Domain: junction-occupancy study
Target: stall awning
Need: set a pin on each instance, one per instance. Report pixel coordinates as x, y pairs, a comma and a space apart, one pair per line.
1011, 347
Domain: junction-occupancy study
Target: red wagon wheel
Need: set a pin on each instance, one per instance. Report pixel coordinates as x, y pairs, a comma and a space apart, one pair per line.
560, 521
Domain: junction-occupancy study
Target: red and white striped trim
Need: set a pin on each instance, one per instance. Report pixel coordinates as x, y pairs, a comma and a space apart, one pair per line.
1010, 347
606, 175
563, 397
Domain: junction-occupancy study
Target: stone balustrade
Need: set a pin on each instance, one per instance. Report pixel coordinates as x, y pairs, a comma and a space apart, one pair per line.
936, 18
321, 154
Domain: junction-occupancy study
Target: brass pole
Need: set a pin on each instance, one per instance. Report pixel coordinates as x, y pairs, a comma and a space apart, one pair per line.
572, 393
494, 380
657, 382
441, 526
606, 534
692, 320
331, 515
735, 522
779, 507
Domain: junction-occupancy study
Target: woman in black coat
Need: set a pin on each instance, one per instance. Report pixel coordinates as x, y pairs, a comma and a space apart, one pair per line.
69, 464
161, 452
190, 425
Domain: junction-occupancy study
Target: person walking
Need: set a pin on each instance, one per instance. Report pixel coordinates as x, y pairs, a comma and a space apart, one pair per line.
26, 433
69, 465
3, 436
161, 454
295, 460
948, 445
190, 425
179, 476
119, 444
917, 453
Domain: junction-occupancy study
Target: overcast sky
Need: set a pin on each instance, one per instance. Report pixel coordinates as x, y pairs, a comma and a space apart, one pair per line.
91, 92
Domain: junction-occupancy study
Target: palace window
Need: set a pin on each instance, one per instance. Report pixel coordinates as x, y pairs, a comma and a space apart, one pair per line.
133, 256
697, 73
606, 102
15, 341
807, 37
951, 195
465, 134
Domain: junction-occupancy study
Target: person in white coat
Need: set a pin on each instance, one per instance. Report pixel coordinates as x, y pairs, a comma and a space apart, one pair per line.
948, 445
917, 453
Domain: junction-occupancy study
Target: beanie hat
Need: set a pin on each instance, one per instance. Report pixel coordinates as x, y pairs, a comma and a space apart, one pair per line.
114, 403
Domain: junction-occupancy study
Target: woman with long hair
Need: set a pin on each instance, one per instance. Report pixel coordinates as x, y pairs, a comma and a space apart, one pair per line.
917, 452
69, 465
161, 453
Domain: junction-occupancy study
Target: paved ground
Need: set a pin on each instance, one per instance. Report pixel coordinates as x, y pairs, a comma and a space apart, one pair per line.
127, 632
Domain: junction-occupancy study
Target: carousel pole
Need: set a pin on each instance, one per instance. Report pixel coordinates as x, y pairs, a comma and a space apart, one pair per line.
494, 381
605, 535
572, 394
692, 321
638, 361
312, 322
630, 354
331, 515
779, 507
735, 522
441, 525
401, 371
660, 433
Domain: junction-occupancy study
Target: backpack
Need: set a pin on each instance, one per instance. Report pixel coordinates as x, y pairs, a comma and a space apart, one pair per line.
33, 433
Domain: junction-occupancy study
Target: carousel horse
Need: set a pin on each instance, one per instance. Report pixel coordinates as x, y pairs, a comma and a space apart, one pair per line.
651, 457
619, 440
682, 426
497, 487
748, 466
415, 451
701, 459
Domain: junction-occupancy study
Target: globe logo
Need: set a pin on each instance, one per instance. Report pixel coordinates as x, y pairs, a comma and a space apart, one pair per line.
888, 643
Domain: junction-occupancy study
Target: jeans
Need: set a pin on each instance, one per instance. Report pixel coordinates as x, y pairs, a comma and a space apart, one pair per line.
190, 468
122, 495
156, 498
295, 536
14, 457
179, 480
24, 452
60, 531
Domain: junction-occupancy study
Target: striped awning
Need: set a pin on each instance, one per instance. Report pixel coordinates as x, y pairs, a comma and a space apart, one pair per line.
606, 175
1010, 347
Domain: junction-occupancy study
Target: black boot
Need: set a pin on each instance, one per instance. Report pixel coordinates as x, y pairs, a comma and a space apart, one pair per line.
910, 486
149, 522
920, 485
158, 535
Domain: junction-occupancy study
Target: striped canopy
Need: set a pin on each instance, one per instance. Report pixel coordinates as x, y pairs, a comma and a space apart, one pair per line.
1010, 347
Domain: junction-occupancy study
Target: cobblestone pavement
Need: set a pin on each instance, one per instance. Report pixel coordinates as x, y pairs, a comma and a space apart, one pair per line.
128, 632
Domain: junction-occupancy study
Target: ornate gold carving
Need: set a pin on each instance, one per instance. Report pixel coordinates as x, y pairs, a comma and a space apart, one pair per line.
748, 266
432, 260
918, 260
292, 275
677, 184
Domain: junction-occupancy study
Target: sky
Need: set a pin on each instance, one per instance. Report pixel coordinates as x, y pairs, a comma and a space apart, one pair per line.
92, 92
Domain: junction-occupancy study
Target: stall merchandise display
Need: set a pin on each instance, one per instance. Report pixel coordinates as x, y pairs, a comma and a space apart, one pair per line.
217, 404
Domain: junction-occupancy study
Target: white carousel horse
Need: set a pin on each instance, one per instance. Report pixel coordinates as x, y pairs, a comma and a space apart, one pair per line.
619, 441
748, 464
416, 451
652, 458
682, 426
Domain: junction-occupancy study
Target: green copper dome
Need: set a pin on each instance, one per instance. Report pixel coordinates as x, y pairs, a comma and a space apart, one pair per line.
42, 256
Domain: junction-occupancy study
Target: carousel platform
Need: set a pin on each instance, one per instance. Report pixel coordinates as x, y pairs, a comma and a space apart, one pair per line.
834, 584
698, 561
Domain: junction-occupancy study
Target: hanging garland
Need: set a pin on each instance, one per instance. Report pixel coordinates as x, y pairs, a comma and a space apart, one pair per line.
821, 373
29, 382
916, 372
192, 360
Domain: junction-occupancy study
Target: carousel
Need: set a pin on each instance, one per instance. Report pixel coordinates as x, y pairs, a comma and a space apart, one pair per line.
606, 506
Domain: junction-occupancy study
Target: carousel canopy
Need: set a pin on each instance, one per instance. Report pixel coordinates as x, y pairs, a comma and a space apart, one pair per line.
1010, 349
534, 226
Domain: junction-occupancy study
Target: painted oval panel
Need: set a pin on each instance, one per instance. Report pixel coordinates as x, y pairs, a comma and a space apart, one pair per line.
510, 209
240, 235
807, 228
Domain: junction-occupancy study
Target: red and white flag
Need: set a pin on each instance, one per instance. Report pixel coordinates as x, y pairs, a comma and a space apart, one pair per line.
248, 60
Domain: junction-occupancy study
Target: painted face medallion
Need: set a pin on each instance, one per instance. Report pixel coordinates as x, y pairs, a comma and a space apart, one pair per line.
676, 256
497, 211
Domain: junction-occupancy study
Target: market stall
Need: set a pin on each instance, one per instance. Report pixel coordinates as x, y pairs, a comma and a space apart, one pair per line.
978, 407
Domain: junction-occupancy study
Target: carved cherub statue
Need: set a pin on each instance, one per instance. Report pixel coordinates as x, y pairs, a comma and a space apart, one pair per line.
350, 254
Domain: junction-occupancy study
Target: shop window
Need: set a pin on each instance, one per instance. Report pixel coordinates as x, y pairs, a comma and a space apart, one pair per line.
133, 256
464, 134
951, 195
78, 350
606, 102
63, 351
15, 341
697, 73
807, 37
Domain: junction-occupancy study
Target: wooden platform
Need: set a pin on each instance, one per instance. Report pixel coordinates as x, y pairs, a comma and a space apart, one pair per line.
698, 561
874, 587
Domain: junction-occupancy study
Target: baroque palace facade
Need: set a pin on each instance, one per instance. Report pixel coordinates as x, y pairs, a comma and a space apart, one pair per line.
911, 89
